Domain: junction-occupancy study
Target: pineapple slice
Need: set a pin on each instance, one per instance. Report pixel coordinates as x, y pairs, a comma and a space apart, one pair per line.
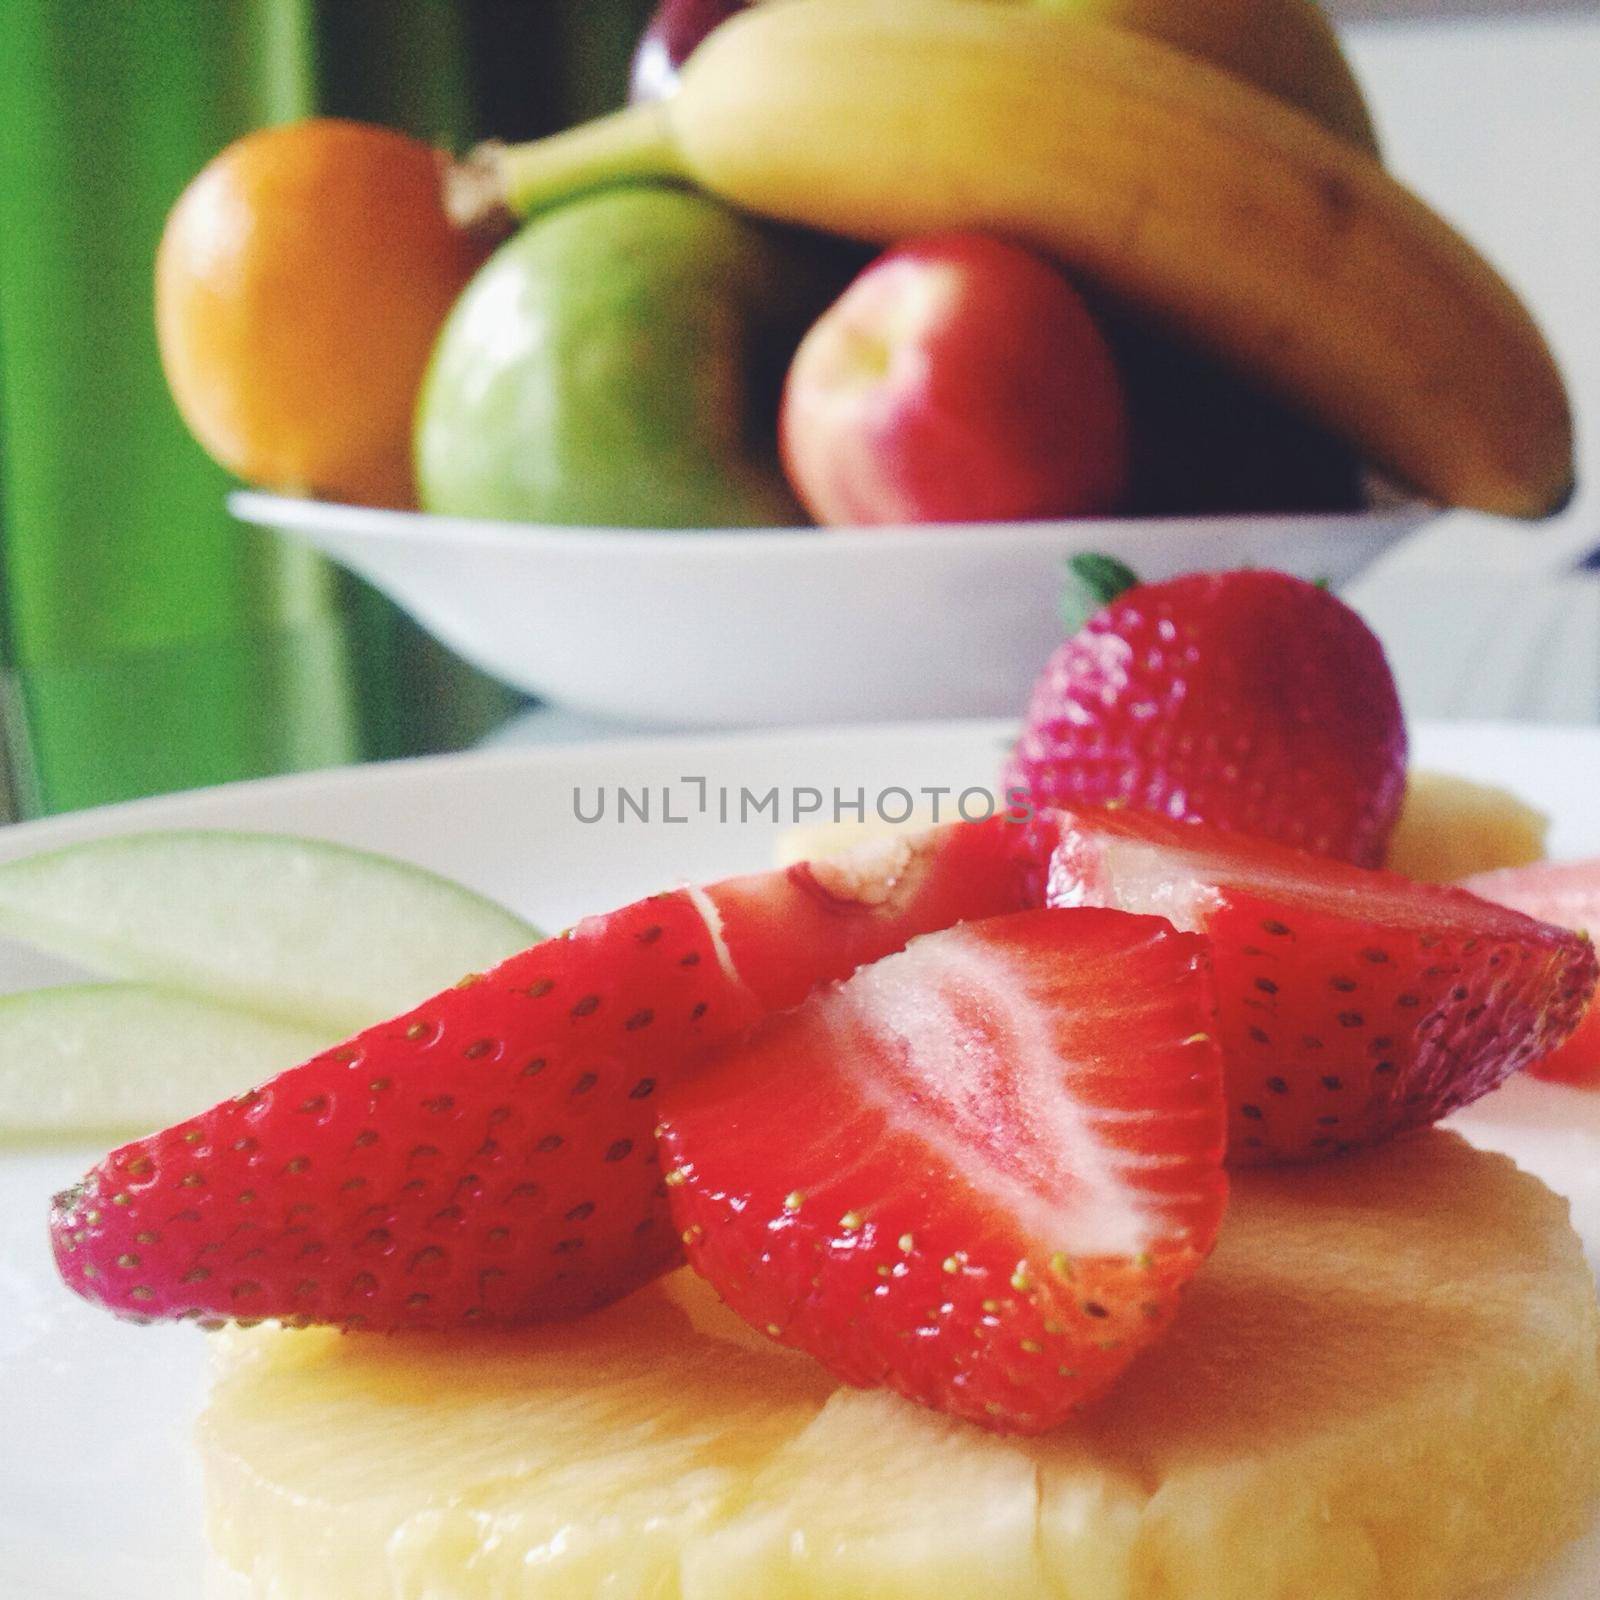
1450, 828
1384, 1385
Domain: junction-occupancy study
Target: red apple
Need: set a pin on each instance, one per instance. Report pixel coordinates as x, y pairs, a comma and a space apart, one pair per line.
670, 38
958, 379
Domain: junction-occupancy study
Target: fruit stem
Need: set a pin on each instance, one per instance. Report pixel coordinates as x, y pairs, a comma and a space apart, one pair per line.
526, 178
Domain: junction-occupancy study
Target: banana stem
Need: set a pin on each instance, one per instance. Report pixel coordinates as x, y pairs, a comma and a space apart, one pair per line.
526, 178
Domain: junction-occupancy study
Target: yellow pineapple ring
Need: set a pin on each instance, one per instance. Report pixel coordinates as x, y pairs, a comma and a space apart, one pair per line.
1384, 1385
1451, 827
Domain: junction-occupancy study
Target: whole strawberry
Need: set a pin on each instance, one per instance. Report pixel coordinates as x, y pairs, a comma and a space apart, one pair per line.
1251, 701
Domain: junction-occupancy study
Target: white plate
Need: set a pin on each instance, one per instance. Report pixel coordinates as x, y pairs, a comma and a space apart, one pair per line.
782, 627
97, 1491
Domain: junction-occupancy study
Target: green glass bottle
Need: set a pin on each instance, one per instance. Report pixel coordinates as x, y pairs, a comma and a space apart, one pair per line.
149, 643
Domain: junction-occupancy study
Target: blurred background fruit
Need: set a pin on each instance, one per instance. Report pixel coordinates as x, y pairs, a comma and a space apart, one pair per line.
1286, 47
1203, 440
676, 27
619, 363
1194, 199
301, 281
958, 379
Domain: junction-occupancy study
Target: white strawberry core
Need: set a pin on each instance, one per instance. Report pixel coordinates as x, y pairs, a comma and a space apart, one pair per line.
1137, 877
707, 907
1166, 879
966, 1060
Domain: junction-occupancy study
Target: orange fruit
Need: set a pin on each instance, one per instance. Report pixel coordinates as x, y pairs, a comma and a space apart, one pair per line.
300, 283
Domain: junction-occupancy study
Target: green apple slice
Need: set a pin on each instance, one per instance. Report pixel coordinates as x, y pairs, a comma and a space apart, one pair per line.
308, 934
113, 1061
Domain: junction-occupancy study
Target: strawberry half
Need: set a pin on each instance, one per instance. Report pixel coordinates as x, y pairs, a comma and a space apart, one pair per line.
1353, 1005
487, 1158
1567, 894
1250, 701
978, 1173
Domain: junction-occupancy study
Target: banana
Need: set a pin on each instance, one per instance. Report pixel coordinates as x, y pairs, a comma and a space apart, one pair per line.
1287, 47
1223, 215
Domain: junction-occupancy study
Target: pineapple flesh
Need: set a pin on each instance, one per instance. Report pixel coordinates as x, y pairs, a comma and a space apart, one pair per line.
1383, 1387
1450, 828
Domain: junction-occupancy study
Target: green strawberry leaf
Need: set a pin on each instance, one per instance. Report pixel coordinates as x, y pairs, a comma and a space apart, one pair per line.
1093, 582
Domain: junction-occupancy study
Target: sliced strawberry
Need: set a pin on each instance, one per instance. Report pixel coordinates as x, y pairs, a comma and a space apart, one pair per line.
488, 1157
820, 920
978, 1173
1250, 701
1353, 1005
1567, 894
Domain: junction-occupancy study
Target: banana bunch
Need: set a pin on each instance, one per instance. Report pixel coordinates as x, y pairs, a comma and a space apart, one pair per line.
1201, 202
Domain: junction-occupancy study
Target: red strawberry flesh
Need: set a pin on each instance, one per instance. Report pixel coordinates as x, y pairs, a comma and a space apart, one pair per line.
487, 1158
979, 1172
1250, 701
868, 901
1353, 1005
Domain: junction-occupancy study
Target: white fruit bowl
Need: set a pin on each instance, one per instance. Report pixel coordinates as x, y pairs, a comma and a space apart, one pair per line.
783, 626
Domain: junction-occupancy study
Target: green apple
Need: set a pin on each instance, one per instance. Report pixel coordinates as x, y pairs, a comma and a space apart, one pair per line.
619, 364
308, 934
113, 1061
